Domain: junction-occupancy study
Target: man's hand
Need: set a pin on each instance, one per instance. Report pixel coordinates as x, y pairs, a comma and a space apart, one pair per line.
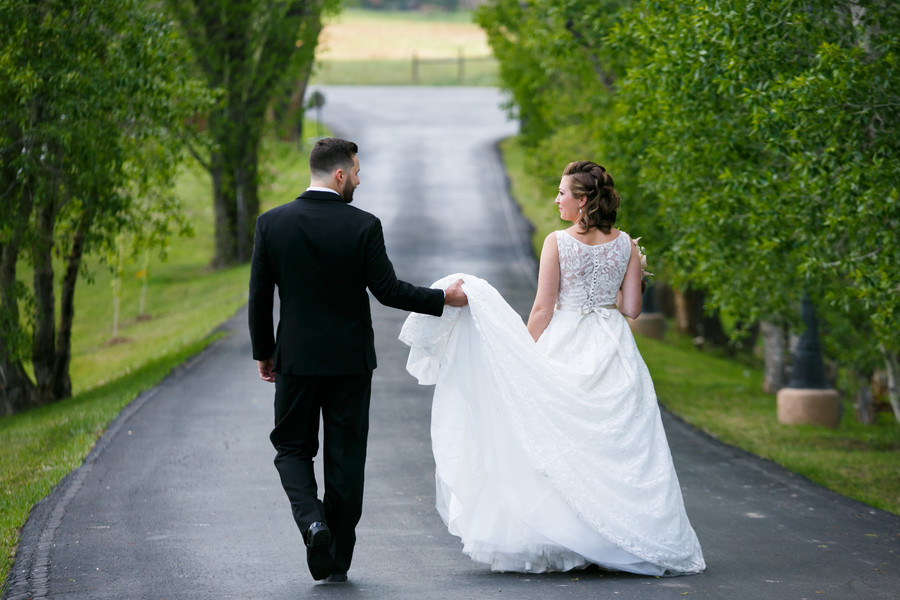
454, 295
265, 369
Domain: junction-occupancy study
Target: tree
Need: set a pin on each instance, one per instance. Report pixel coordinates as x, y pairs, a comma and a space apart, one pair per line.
775, 133
758, 143
244, 49
94, 96
562, 67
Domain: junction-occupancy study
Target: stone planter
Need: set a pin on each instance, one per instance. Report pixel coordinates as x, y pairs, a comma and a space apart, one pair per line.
809, 407
652, 325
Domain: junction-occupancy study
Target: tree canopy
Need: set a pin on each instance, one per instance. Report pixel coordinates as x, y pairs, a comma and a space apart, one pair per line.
247, 51
95, 98
757, 144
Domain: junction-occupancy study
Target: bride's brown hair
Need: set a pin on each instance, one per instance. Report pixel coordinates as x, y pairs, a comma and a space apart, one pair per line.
592, 181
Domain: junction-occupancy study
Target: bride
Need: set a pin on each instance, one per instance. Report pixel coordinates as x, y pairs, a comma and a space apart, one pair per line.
549, 448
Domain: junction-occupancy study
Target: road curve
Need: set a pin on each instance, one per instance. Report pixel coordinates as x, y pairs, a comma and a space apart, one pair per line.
180, 499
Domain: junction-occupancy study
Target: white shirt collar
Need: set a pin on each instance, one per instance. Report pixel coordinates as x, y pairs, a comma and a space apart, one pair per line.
321, 189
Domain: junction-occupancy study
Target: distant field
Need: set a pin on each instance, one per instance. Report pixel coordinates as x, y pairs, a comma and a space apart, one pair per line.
377, 35
379, 48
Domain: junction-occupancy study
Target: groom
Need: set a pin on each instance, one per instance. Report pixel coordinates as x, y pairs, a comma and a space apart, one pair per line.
323, 254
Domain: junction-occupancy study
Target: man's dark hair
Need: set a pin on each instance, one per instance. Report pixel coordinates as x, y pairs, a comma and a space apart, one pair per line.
331, 153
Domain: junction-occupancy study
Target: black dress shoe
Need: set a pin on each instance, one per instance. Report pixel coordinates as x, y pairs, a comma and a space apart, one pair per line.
318, 556
337, 578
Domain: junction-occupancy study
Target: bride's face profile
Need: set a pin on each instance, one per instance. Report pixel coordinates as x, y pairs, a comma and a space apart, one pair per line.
567, 203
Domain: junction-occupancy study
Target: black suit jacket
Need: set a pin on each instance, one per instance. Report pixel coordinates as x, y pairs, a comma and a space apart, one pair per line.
322, 254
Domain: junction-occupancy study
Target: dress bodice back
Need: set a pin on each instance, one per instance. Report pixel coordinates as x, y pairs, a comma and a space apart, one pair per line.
590, 276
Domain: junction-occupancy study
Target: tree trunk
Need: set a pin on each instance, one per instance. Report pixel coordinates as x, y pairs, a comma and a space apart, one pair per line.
246, 186
233, 168
693, 319
892, 365
17, 391
288, 111
864, 402
62, 381
43, 347
245, 49
682, 312
712, 330
775, 353
300, 112
665, 299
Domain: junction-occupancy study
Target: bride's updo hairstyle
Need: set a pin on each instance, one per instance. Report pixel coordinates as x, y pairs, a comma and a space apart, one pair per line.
591, 180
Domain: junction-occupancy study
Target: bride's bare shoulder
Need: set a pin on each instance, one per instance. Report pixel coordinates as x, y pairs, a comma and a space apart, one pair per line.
550, 240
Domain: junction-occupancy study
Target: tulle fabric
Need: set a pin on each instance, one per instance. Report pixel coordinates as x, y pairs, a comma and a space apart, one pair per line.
548, 464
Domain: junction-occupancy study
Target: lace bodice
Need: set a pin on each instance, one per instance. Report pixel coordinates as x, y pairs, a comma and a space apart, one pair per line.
590, 276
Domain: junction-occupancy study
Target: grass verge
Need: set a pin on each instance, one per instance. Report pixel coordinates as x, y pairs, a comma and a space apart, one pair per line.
42, 446
723, 398
481, 71
185, 301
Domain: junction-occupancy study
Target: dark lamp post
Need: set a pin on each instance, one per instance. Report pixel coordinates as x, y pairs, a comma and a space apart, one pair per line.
317, 101
807, 399
807, 367
649, 300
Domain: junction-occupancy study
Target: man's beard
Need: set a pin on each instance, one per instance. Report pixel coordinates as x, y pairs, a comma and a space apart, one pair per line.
347, 192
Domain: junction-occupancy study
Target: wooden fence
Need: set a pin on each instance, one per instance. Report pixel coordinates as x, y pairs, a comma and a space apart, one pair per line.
460, 61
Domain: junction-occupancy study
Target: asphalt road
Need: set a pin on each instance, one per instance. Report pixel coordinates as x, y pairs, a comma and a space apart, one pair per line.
180, 499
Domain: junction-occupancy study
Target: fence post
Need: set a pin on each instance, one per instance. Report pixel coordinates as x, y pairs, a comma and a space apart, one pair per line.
461, 64
415, 69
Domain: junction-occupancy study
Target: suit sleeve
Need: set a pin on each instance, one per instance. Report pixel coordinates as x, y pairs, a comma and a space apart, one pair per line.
262, 292
390, 291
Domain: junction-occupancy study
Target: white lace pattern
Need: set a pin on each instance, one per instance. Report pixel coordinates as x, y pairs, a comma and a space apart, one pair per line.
590, 276
551, 456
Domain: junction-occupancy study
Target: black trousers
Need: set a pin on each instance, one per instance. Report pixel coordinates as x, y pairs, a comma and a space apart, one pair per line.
343, 402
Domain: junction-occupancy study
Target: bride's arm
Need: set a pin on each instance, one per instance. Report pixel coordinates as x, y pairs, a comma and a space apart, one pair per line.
629, 300
547, 290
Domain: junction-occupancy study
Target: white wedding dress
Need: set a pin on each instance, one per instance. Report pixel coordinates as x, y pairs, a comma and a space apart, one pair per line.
551, 456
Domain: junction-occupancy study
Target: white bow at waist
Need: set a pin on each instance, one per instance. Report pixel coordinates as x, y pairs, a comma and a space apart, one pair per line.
587, 309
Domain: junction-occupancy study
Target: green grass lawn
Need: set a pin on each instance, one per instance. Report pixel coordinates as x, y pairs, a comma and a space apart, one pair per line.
724, 398
481, 71
185, 301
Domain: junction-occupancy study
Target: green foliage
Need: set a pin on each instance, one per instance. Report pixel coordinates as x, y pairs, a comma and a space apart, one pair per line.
250, 53
185, 299
548, 59
95, 99
772, 143
562, 72
722, 396
755, 145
